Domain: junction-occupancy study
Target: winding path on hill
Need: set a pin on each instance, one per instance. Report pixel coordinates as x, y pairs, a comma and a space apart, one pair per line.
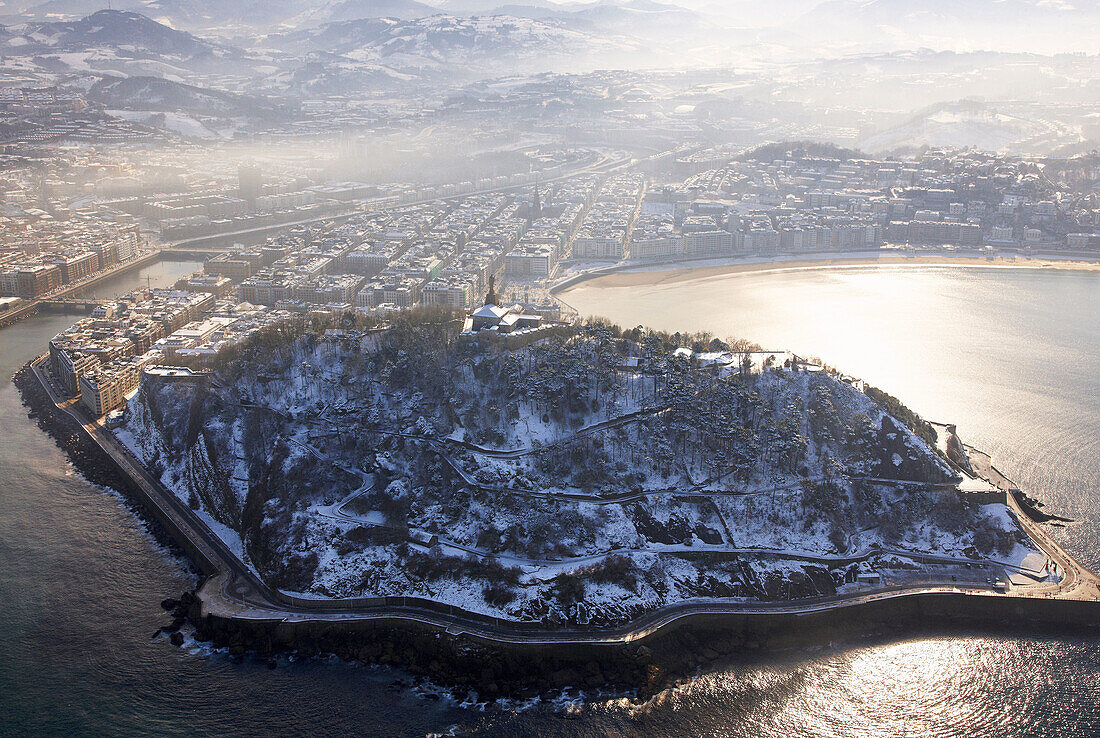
233, 591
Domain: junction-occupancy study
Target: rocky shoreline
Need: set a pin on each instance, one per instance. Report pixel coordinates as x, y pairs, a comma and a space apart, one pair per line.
665, 659
86, 456
466, 665
1033, 509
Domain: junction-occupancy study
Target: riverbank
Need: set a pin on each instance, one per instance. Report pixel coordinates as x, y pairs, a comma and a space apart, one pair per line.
627, 274
33, 305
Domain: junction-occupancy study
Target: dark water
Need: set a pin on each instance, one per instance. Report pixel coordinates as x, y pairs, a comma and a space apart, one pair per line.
80, 580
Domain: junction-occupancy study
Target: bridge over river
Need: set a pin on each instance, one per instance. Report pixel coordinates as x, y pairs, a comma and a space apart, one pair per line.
71, 304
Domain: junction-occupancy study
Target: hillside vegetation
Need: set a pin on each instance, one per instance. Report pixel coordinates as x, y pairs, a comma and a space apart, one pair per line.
586, 473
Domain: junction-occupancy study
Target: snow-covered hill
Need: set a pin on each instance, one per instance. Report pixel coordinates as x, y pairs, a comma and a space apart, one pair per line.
480, 45
967, 125
588, 475
126, 31
118, 43
159, 95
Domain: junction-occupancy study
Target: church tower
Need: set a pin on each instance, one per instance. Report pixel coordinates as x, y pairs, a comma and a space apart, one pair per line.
491, 295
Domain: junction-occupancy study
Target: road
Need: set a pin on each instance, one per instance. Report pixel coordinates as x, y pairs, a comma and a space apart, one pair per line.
232, 589
1077, 582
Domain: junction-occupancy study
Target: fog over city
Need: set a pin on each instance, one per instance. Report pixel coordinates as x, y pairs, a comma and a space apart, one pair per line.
172, 97
587, 359
177, 120
1013, 76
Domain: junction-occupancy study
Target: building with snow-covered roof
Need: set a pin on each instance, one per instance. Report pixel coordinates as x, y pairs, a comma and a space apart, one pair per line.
487, 316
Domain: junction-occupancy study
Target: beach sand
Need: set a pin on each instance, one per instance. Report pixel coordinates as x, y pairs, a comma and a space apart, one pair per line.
650, 274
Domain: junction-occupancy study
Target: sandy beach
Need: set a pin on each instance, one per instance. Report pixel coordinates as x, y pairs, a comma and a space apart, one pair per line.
662, 273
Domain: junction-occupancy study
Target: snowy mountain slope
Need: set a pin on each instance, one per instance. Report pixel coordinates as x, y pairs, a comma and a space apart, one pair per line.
335, 58
126, 31
965, 125
436, 36
112, 44
320, 74
443, 42
156, 94
231, 17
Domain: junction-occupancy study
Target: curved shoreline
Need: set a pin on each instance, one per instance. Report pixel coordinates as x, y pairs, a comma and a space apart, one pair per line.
234, 609
627, 274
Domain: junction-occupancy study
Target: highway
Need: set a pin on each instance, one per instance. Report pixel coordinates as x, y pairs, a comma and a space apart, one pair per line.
233, 590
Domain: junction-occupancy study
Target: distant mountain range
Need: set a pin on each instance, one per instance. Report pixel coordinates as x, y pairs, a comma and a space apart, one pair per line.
339, 57
321, 48
445, 42
107, 28
109, 40
807, 27
123, 44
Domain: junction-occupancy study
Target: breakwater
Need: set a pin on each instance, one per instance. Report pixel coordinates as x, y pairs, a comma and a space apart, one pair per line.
650, 664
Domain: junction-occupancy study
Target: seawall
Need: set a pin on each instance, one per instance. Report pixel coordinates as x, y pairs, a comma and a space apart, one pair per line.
448, 652
652, 663
98, 468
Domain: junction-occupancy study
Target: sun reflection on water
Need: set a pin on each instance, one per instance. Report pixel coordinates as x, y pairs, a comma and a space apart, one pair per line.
1010, 356
934, 687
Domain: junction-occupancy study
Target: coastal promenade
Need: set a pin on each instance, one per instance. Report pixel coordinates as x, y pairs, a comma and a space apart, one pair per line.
233, 591
888, 256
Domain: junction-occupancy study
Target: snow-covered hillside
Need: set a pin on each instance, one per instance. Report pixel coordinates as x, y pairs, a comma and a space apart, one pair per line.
968, 125
461, 45
588, 475
106, 28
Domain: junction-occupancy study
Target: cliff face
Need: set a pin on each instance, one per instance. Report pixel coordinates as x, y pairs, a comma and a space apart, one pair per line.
547, 481
235, 466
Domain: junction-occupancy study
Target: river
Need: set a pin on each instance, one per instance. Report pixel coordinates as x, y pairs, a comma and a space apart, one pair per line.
1011, 356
